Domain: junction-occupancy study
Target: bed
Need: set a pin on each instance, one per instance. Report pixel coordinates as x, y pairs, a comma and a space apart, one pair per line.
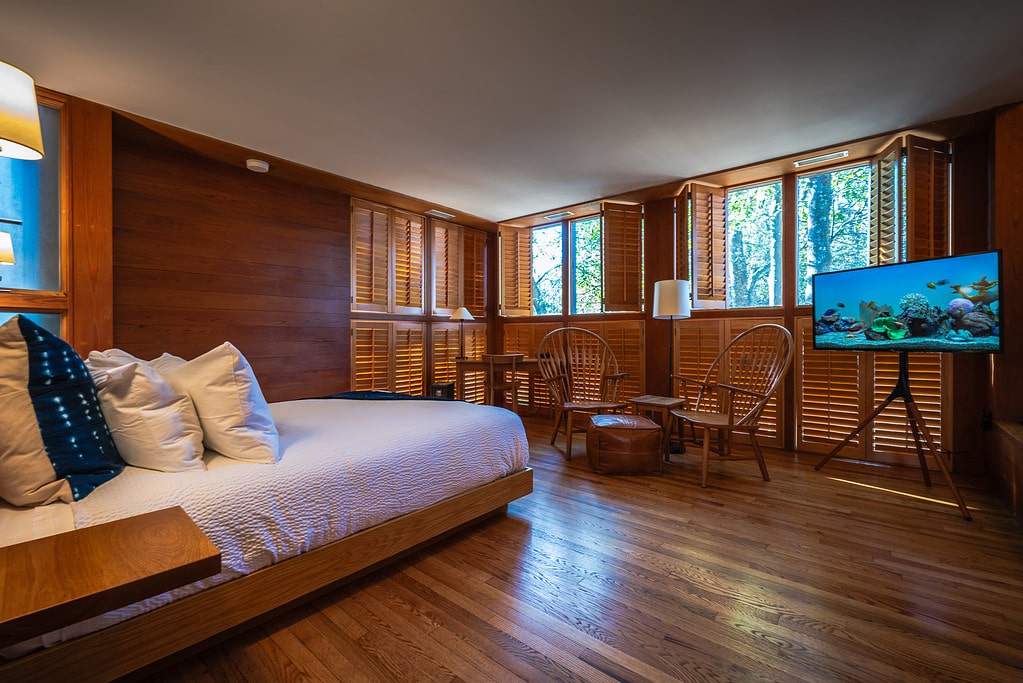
358, 483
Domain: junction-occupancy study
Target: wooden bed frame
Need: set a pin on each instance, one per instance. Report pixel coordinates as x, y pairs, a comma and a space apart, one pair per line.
131, 645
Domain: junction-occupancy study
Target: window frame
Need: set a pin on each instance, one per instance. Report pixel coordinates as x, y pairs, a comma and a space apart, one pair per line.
58, 301
621, 246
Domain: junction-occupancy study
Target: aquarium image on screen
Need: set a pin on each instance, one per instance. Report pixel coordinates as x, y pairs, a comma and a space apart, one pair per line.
945, 304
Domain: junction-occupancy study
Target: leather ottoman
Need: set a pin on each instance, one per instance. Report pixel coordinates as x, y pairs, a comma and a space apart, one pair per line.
624, 444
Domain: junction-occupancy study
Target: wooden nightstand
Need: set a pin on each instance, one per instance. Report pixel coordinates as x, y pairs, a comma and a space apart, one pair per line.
52, 582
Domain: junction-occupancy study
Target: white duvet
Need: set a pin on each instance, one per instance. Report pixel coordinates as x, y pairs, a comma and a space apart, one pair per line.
346, 465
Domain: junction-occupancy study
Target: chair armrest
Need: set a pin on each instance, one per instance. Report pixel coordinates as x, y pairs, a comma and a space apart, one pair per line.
740, 390
689, 380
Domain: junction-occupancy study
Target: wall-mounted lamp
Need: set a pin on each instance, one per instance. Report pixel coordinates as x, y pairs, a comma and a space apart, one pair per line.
671, 300
461, 315
6, 249
20, 135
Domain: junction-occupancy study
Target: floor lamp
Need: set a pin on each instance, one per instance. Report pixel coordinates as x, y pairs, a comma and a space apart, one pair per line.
461, 315
671, 300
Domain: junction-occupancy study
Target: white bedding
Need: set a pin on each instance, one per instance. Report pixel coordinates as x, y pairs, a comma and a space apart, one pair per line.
345, 466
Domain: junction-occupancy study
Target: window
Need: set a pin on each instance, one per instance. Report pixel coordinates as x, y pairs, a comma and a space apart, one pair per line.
753, 229
546, 268
603, 271
30, 215
585, 290
833, 224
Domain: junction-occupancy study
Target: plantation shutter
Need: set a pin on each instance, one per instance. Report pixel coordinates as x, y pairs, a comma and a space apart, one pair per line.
446, 262
371, 356
682, 260
927, 198
525, 338
626, 341
707, 206
697, 344
770, 432
927, 227
409, 358
516, 272
444, 343
886, 206
891, 431
474, 389
369, 256
622, 241
828, 386
474, 271
407, 233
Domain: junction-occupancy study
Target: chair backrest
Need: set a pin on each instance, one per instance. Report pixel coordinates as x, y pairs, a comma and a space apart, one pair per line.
578, 365
501, 363
755, 362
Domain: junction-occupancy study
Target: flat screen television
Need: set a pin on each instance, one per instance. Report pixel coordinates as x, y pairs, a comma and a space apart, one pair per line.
947, 304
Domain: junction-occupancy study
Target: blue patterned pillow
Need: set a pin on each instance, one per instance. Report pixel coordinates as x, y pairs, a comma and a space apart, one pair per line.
55, 443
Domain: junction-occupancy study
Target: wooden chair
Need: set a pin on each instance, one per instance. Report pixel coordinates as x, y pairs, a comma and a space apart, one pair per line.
581, 373
502, 377
734, 391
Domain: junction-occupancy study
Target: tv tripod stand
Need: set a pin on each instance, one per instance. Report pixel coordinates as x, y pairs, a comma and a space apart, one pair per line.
916, 423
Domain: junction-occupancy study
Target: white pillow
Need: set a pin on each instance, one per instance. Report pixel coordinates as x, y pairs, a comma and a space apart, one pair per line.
153, 425
235, 417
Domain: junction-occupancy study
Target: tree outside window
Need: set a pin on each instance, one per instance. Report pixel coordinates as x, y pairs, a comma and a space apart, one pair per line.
753, 220
586, 295
833, 224
546, 269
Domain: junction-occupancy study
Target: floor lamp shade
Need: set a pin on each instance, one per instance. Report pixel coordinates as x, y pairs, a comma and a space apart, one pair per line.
671, 299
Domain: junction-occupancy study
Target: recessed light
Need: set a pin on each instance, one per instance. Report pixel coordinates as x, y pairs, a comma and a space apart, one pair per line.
821, 158
257, 165
437, 213
559, 214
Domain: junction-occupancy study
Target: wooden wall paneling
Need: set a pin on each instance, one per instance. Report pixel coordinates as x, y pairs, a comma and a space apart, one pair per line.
1004, 443
205, 252
659, 257
1008, 236
90, 216
971, 232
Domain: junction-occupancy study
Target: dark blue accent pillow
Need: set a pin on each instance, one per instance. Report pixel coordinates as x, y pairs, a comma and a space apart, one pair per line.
59, 446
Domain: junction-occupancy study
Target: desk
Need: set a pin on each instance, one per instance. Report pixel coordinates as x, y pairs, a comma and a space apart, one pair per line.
661, 405
55, 581
465, 365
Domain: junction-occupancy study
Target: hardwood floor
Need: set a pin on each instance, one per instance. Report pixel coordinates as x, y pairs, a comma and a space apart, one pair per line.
813, 576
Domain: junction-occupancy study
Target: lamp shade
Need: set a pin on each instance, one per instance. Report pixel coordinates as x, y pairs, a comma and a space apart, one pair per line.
671, 299
6, 248
20, 135
462, 314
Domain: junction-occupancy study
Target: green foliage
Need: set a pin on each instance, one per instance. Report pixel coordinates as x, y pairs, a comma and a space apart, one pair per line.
546, 275
833, 224
754, 246
587, 274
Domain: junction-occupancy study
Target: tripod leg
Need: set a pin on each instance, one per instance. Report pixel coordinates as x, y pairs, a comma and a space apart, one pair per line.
920, 451
915, 416
852, 435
